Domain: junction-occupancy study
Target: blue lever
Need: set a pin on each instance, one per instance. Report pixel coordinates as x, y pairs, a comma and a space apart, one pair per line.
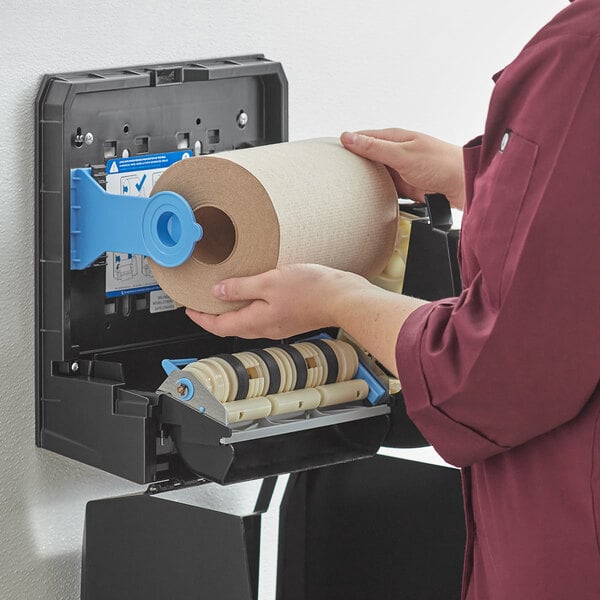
172, 364
161, 227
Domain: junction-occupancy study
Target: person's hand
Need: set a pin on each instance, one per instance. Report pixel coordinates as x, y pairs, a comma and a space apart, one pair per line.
295, 299
286, 301
418, 163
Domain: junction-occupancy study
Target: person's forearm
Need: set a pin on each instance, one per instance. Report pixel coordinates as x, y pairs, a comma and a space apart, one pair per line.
374, 317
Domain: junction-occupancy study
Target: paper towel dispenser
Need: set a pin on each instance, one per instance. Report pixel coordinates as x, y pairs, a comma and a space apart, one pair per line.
103, 324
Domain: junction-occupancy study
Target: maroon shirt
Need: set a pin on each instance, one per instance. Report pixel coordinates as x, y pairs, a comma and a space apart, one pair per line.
503, 380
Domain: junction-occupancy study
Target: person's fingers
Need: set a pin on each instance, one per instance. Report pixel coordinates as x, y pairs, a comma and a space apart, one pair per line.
391, 134
241, 288
227, 324
379, 150
205, 320
404, 189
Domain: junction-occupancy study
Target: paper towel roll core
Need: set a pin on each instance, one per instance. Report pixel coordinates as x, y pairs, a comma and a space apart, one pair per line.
309, 201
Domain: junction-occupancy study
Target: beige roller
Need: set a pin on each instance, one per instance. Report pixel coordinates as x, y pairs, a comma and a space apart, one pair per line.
247, 410
308, 201
345, 391
294, 401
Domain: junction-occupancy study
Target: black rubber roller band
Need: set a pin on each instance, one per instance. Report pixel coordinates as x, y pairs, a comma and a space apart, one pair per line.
300, 364
272, 368
330, 359
242, 375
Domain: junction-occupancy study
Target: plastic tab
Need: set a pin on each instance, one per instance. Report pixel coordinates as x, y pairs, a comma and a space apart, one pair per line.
172, 364
161, 227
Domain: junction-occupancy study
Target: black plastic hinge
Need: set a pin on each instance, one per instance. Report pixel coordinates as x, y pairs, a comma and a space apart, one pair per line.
440, 213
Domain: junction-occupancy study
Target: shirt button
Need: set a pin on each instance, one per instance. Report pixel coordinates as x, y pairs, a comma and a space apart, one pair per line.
504, 141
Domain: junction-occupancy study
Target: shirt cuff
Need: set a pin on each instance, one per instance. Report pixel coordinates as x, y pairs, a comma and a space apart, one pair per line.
456, 442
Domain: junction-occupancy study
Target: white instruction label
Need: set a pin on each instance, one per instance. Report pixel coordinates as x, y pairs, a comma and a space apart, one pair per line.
160, 302
130, 273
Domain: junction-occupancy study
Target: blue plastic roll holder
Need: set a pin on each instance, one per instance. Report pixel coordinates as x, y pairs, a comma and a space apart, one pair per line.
161, 227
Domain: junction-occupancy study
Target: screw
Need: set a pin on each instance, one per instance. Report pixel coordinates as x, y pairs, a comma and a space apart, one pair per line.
74, 367
182, 389
242, 119
89, 138
153, 489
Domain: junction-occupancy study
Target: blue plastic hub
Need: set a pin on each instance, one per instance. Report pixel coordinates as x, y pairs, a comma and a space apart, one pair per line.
186, 387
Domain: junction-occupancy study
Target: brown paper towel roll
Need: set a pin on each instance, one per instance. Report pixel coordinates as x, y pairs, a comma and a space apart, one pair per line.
308, 201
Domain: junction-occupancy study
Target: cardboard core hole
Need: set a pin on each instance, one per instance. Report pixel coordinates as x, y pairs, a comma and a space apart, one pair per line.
218, 239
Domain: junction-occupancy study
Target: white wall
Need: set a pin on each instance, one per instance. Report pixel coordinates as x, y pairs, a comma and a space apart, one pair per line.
422, 65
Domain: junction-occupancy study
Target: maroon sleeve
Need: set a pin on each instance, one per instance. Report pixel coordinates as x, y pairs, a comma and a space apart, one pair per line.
517, 353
